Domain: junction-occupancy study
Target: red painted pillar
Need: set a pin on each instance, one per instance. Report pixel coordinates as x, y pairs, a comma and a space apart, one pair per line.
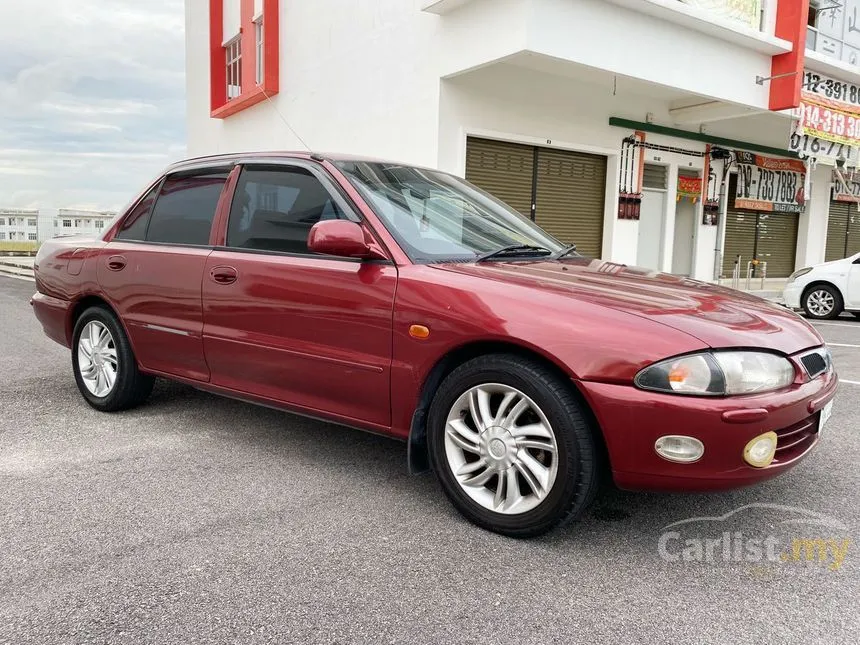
791, 23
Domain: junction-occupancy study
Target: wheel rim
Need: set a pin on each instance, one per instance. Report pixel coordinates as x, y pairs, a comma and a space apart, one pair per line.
501, 448
820, 303
97, 361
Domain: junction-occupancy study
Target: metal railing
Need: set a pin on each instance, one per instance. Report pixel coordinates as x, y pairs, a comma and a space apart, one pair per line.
736, 273
752, 265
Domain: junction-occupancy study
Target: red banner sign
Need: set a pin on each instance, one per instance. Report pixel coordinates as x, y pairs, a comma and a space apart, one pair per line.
829, 120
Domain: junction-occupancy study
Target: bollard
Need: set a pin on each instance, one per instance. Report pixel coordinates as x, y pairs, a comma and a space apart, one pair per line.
749, 274
763, 267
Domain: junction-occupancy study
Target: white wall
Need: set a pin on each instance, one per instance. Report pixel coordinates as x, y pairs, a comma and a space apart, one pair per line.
355, 78
605, 36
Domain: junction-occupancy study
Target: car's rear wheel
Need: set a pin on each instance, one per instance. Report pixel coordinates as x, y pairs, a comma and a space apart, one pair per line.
105, 367
822, 302
511, 445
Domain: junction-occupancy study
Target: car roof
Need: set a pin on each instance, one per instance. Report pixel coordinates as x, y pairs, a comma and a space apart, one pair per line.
263, 155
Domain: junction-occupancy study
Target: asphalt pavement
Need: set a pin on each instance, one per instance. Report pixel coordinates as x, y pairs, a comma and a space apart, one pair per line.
198, 519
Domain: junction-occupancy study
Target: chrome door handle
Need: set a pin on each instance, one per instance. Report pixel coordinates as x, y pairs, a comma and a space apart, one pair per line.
116, 263
224, 275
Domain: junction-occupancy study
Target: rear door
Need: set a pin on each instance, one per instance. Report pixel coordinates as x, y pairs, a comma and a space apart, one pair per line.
281, 323
152, 271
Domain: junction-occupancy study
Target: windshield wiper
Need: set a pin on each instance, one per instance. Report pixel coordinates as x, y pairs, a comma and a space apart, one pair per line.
565, 251
514, 249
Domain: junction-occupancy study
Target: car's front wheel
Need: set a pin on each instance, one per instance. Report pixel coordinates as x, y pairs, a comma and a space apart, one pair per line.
822, 302
104, 364
511, 445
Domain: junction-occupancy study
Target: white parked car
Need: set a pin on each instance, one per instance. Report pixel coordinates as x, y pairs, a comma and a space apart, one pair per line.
826, 290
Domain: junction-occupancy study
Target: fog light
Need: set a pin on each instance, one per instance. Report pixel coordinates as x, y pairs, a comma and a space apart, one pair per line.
759, 452
684, 450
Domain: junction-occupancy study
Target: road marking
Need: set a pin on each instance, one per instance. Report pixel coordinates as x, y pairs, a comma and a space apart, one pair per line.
849, 382
842, 345
837, 325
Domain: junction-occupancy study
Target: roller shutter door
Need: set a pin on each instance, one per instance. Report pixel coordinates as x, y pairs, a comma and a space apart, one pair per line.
740, 240
853, 232
505, 170
569, 188
570, 198
837, 227
765, 236
777, 243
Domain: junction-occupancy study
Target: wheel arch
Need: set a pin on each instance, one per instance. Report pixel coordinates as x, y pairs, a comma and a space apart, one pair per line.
84, 303
820, 282
417, 456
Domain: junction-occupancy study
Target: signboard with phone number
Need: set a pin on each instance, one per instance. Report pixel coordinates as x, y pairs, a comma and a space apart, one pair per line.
829, 111
852, 181
770, 184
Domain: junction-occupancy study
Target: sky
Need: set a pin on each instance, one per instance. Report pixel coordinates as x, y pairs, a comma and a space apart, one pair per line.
92, 99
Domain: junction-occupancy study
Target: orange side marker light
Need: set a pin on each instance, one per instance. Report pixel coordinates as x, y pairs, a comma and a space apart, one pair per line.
419, 331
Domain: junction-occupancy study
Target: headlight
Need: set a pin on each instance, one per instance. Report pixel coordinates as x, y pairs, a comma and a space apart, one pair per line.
718, 374
794, 276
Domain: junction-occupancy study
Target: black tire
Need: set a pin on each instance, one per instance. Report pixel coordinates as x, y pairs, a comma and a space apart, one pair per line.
578, 475
834, 293
131, 387
856, 314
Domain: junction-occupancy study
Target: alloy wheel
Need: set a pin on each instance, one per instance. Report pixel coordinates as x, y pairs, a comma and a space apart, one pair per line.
97, 358
820, 302
501, 448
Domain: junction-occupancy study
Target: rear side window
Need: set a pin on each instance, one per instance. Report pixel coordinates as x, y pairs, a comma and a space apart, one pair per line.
274, 209
134, 226
185, 208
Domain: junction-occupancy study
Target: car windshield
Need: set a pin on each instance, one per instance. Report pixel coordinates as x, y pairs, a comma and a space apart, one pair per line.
437, 217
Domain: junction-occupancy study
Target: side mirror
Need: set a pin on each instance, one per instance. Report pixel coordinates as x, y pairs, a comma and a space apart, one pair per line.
341, 238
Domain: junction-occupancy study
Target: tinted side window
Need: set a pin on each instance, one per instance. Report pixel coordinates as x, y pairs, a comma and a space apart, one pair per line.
134, 226
185, 209
274, 209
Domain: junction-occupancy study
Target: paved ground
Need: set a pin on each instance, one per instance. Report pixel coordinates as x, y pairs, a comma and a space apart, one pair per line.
197, 519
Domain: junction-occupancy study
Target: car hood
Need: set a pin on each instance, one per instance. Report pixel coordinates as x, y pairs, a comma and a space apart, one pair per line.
717, 316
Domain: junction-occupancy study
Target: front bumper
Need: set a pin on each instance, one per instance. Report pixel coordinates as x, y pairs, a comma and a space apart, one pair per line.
791, 295
632, 420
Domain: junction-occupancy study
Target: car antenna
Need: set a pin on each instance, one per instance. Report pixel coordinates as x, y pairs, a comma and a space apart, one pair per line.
286, 123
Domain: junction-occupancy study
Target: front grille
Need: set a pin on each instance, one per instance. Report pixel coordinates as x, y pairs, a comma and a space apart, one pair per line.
795, 440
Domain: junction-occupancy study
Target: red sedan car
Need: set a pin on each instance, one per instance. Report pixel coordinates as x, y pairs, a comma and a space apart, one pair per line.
407, 302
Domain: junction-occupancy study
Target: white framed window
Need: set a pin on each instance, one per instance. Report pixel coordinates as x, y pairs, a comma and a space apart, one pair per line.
258, 44
2, 221
31, 236
31, 222
99, 223
233, 51
2, 235
67, 223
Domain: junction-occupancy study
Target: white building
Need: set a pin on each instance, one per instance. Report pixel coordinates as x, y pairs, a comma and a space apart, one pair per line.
559, 107
19, 225
71, 221
38, 225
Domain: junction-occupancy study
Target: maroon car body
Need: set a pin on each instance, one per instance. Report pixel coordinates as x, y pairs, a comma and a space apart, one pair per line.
331, 338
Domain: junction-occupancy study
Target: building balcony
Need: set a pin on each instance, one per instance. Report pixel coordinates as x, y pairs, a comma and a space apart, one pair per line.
669, 43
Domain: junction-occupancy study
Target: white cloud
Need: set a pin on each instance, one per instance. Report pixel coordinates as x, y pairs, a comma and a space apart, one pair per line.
91, 99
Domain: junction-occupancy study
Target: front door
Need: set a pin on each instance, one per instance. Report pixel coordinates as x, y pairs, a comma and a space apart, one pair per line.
153, 269
311, 331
